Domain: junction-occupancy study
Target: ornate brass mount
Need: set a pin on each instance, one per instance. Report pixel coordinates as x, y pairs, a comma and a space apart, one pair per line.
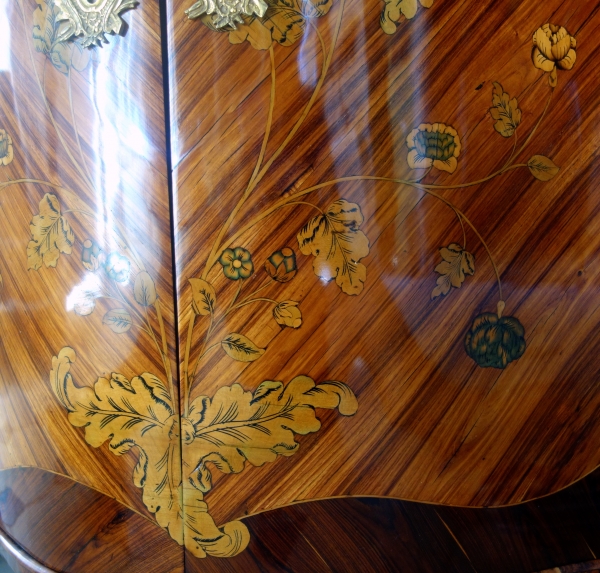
227, 13
90, 20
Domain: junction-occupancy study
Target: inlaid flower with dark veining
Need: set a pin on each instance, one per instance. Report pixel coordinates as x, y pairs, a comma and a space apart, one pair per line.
433, 145
494, 341
281, 265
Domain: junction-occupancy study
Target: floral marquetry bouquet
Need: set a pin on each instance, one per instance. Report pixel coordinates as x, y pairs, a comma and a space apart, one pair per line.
236, 428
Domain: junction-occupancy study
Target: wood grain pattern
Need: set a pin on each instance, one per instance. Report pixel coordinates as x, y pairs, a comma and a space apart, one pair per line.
431, 425
72, 528
560, 532
84, 212
17, 559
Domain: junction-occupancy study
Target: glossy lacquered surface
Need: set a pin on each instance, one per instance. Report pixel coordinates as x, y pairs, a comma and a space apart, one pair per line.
454, 294
84, 209
350, 534
383, 220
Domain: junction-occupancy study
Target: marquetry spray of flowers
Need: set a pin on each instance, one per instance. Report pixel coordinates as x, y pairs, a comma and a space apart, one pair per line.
493, 340
138, 413
177, 454
257, 427
141, 412
438, 146
262, 424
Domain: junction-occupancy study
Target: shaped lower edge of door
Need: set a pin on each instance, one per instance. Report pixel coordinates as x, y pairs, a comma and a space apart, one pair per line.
51, 523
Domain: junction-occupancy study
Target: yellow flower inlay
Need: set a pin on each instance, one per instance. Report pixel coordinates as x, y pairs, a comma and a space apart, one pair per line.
553, 48
394, 9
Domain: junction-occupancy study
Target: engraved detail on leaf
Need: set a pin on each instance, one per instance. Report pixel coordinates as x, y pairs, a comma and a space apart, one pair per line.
542, 168
51, 235
316, 8
128, 414
116, 410
241, 348
505, 111
144, 290
337, 243
204, 298
118, 320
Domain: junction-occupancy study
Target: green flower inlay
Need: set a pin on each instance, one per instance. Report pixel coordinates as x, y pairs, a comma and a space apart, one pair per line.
237, 263
495, 342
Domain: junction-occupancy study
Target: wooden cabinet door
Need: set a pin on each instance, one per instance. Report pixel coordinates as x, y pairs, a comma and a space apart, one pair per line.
293, 285
87, 392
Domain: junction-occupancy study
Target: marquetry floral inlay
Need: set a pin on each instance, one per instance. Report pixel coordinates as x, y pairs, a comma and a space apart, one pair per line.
495, 340
51, 235
553, 48
178, 452
287, 313
283, 22
456, 264
281, 265
335, 240
433, 145
237, 263
505, 111
395, 9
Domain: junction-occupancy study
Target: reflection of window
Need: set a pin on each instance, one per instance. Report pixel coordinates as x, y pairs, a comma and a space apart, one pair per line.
82, 298
4, 36
4, 568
